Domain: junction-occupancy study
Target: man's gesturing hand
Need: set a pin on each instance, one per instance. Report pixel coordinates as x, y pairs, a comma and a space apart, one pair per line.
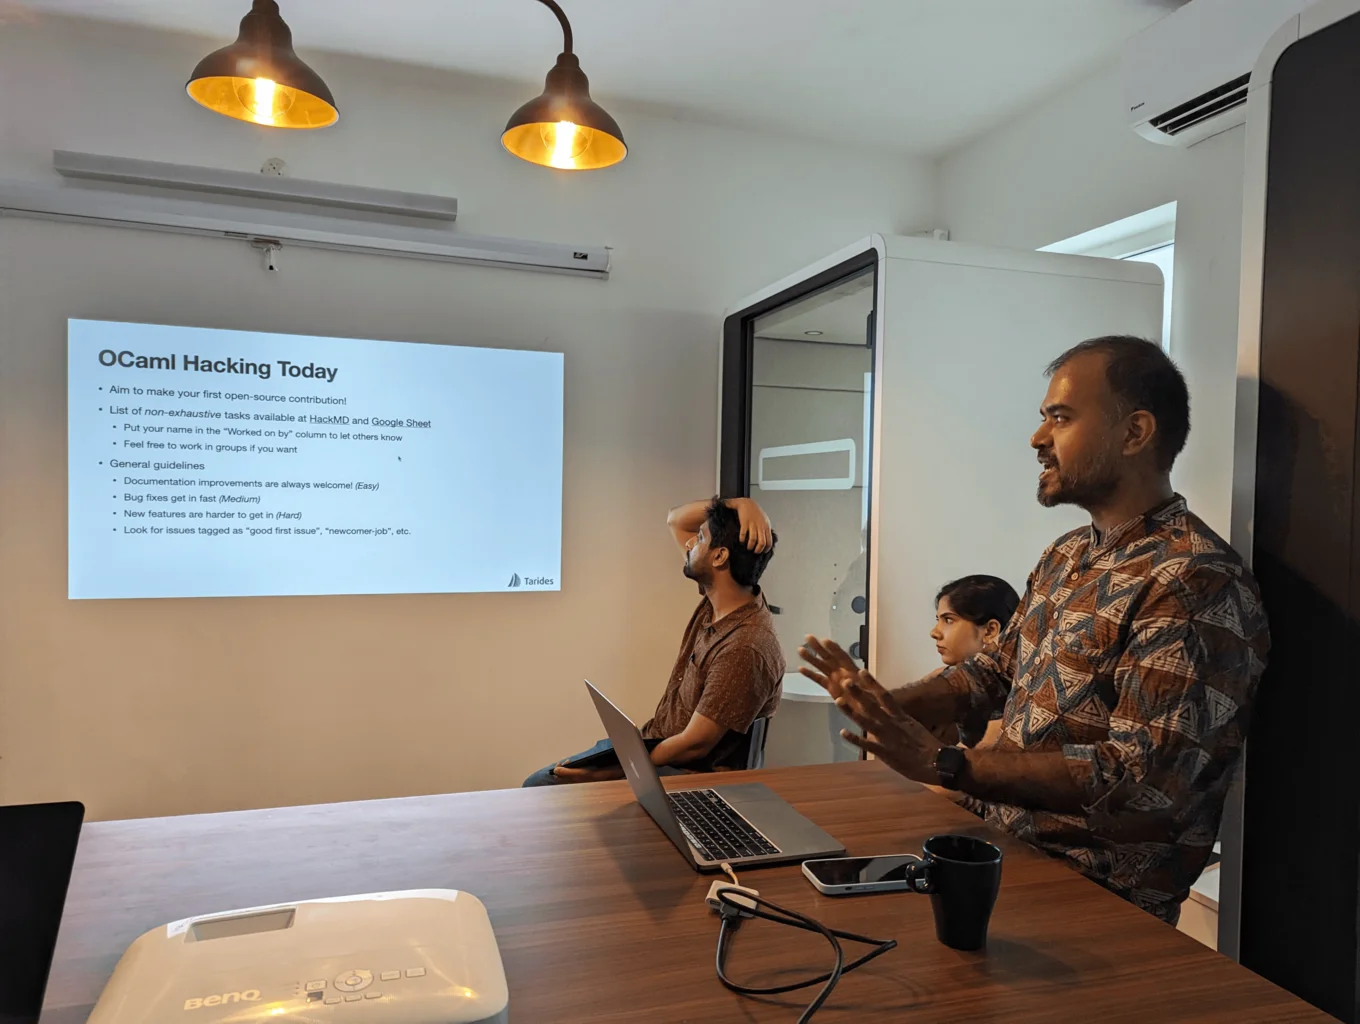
827, 665
893, 736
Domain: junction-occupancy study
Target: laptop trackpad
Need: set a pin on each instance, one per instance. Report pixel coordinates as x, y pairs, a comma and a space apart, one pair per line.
775, 818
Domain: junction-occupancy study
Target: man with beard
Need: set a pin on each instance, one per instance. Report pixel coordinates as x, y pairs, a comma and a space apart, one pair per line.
1125, 679
730, 665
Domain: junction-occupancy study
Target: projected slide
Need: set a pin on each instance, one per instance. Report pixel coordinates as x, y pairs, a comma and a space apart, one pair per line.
208, 463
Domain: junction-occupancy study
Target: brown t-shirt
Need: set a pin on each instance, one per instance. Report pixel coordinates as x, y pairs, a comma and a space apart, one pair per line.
729, 671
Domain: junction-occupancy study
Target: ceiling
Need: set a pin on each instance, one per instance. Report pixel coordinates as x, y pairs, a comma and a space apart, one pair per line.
835, 316
917, 76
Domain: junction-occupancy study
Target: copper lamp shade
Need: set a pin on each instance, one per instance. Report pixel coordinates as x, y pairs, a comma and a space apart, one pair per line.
260, 79
564, 127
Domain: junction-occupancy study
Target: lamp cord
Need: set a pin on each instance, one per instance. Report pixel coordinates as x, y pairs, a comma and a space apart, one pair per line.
562, 17
732, 912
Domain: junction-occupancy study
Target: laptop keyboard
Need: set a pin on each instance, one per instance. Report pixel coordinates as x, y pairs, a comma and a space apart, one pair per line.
714, 829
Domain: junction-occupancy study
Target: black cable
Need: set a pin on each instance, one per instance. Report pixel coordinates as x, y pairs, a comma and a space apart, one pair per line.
882, 946
831, 977
732, 912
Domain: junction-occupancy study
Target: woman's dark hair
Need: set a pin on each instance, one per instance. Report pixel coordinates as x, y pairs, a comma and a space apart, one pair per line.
980, 599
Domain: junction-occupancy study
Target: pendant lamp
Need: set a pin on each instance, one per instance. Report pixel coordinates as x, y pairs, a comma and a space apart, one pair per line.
564, 127
260, 79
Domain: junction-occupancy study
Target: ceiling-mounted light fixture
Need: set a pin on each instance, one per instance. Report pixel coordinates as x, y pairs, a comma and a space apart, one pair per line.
564, 127
260, 79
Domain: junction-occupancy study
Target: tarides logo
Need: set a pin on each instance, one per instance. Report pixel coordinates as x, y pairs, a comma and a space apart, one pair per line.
250, 995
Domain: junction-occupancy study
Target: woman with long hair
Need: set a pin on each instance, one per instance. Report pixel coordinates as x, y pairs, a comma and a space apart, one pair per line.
970, 614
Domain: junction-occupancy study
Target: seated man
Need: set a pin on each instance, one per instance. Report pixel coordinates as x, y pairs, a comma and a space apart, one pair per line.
1125, 680
730, 666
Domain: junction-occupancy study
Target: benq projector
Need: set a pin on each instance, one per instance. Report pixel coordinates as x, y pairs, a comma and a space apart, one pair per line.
425, 956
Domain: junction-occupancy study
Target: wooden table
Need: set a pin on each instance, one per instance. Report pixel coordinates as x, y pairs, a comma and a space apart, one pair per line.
599, 919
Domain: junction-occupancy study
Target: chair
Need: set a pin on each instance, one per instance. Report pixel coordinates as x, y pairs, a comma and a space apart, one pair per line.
37, 852
755, 751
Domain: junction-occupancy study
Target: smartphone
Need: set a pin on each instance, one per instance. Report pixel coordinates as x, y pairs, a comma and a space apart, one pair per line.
841, 876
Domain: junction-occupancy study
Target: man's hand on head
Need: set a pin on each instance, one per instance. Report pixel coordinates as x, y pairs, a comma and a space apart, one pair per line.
757, 533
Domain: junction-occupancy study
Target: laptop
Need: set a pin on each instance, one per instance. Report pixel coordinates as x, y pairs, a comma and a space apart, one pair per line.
37, 851
743, 824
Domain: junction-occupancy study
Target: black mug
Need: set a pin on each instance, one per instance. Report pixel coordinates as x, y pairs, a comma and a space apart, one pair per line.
962, 876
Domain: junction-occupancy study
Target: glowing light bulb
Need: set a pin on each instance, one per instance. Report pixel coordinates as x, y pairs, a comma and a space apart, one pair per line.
564, 141
262, 105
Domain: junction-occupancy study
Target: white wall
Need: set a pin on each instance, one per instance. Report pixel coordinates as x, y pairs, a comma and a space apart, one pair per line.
955, 478
165, 707
1072, 164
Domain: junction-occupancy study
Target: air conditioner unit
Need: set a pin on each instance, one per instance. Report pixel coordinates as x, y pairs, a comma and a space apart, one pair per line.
1186, 77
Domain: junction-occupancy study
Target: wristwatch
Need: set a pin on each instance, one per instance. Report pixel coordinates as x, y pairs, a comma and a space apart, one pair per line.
949, 763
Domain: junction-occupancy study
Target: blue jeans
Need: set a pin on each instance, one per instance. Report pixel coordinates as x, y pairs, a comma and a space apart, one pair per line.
545, 777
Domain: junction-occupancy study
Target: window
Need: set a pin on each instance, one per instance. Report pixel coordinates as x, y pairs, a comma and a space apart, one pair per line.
1148, 237
1164, 256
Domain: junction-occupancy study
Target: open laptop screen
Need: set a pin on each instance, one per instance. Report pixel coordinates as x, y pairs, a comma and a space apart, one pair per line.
639, 770
37, 850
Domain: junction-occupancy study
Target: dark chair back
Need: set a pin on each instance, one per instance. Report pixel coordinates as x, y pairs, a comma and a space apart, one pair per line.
755, 752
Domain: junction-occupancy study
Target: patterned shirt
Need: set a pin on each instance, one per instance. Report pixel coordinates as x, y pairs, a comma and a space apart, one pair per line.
1137, 656
729, 671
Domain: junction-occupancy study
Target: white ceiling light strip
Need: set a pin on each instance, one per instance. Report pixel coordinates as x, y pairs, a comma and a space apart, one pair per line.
842, 483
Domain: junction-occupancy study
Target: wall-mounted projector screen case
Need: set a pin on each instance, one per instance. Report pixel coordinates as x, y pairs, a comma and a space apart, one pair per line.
213, 463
